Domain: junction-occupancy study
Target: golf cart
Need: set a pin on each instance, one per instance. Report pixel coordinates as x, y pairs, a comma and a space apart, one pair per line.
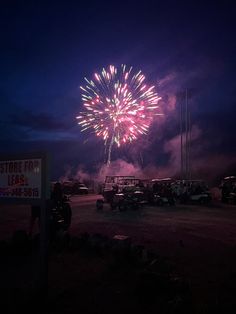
116, 184
194, 192
125, 201
162, 193
131, 197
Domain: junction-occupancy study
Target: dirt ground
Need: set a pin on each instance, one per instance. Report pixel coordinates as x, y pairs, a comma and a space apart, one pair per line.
199, 242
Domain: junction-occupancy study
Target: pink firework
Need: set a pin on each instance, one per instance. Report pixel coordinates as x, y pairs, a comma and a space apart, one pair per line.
119, 106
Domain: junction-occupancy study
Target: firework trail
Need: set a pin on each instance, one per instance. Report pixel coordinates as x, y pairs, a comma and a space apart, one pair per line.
119, 106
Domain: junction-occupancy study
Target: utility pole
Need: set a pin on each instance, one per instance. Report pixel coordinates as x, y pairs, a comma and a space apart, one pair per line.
189, 145
185, 136
181, 140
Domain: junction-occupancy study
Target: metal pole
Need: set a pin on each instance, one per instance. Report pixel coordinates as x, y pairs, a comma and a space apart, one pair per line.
43, 267
189, 146
181, 140
44, 235
186, 134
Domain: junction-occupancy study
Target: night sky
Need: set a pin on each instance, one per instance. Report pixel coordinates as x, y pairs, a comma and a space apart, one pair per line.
48, 48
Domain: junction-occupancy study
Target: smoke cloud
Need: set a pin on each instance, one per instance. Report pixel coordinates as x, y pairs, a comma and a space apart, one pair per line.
158, 154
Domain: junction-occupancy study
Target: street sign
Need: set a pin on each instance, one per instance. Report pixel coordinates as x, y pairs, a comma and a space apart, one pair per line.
24, 178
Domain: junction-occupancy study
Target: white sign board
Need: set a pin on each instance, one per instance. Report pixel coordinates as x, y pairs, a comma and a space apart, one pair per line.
21, 178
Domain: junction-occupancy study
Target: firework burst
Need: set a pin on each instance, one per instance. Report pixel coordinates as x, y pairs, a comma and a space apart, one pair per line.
119, 106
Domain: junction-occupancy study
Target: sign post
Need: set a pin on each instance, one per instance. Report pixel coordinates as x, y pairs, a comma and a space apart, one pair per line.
24, 179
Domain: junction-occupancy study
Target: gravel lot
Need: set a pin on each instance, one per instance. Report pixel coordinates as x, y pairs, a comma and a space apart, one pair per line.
199, 240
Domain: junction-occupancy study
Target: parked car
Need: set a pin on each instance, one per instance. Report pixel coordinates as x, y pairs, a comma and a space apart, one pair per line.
74, 187
80, 188
228, 190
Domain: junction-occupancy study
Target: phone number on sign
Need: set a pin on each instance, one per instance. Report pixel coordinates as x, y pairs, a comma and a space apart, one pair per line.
19, 192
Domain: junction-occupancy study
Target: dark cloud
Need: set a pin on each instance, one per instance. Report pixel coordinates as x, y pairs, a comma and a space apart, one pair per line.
38, 121
218, 130
48, 48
